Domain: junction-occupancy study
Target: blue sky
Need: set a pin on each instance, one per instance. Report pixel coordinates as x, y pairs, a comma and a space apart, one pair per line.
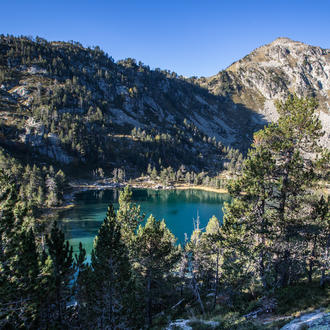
189, 37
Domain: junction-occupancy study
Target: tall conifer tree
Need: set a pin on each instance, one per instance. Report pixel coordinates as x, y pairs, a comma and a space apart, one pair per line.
155, 256
278, 180
61, 260
110, 276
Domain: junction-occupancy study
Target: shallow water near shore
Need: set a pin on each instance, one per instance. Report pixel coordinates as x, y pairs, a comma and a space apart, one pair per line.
179, 208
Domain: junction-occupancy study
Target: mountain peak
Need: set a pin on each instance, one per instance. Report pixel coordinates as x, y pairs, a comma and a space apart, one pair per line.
279, 51
283, 40
272, 72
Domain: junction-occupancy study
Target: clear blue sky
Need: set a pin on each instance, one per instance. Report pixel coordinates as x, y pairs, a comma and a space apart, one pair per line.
189, 37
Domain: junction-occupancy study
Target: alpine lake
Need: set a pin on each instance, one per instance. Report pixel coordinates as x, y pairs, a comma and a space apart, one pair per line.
179, 208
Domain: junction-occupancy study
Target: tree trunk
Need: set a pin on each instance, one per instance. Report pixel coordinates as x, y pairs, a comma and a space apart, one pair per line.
311, 263
109, 293
284, 279
324, 268
59, 305
196, 293
262, 254
111, 307
262, 267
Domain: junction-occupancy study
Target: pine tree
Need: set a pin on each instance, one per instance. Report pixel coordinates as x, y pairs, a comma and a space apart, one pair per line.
318, 236
61, 257
195, 249
196, 261
272, 221
52, 192
237, 274
155, 255
84, 290
213, 246
61, 182
19, 268
111, 276
26, 269
149, 169
129, 216
154, 173
184, 269
257, 183
40, 196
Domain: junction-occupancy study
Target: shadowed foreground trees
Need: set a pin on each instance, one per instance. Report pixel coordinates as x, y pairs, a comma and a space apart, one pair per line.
107, 282
155, 255
128, 278
35, 283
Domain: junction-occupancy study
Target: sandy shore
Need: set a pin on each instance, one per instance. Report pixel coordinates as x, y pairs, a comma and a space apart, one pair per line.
205, 188
146, 185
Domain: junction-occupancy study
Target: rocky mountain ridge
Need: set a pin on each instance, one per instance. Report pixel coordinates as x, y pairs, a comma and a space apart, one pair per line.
273, 71
75, 104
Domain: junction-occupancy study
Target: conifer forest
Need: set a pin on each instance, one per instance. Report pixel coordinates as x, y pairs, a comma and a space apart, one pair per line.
61, 107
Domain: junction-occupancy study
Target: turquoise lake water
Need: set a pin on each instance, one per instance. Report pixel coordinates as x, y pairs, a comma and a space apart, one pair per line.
179, 208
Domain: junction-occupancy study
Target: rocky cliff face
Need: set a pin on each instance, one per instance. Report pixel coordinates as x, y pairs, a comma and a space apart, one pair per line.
273, 71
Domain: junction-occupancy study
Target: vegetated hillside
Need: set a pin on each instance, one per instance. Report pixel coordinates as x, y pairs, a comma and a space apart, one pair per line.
273, 71
75, 105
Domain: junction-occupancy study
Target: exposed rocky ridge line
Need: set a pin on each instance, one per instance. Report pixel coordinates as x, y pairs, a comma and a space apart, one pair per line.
273, 71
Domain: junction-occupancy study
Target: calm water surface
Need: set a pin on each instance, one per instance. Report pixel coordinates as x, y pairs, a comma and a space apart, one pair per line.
178, 207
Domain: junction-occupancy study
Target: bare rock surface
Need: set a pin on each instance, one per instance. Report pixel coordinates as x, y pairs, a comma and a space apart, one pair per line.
317, 320
273, 71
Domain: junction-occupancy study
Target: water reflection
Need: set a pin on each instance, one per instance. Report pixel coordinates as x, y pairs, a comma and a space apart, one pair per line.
177, 207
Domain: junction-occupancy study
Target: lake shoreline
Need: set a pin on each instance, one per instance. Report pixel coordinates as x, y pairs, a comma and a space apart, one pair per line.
139, 183
204, 188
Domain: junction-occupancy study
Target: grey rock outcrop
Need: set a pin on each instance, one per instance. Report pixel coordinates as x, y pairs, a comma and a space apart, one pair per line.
317, 320
48, 145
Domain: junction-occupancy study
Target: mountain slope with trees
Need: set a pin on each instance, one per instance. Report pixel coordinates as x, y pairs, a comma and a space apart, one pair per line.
66, 104
74, 105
